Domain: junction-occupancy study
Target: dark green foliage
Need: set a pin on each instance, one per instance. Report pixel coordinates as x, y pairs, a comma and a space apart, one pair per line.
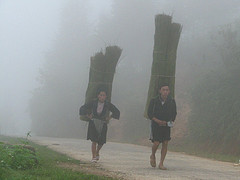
166, 40
17, 157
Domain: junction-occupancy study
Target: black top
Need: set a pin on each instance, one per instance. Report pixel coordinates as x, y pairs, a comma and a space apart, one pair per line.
166, 112
91, 108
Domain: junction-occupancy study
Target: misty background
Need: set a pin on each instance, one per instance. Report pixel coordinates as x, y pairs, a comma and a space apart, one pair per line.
45, 50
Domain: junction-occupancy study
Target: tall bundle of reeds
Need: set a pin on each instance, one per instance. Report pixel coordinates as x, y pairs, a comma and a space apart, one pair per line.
166, 40
102, 71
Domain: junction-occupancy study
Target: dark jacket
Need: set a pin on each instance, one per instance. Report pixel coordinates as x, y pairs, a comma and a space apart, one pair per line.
166, 112
91, 108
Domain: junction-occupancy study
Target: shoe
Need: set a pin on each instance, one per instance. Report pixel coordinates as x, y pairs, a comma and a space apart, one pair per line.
94, 160
152, 161
97, 157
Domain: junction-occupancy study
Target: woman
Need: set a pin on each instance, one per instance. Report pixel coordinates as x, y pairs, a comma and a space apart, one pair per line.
98, 112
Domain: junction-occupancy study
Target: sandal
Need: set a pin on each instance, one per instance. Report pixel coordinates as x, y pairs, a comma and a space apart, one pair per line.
94, 160
152, 161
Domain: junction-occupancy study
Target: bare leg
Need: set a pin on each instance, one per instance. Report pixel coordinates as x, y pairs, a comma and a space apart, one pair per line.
163, 154
154, 150
98, 149
94, 149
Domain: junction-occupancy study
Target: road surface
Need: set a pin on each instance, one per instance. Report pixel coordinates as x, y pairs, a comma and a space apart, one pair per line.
132, 161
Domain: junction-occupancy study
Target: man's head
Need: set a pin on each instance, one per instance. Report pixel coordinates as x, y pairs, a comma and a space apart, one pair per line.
164, 90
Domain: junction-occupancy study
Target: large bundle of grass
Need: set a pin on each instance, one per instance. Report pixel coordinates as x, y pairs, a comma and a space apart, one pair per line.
166, 40
101, 74
102, 71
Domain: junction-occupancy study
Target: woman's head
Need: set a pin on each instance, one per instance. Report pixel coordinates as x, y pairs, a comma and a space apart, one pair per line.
102, 95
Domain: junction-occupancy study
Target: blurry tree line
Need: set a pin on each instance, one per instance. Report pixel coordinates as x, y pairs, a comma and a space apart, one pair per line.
214, 122
206, 78
55, 104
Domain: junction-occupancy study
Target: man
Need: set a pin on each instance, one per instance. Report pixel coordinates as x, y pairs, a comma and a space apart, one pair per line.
161, 111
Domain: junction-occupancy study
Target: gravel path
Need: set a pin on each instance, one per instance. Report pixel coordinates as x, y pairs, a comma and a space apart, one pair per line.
132, 161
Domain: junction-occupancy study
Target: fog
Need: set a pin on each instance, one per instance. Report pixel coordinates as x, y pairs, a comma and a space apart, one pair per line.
28, 30
45, 49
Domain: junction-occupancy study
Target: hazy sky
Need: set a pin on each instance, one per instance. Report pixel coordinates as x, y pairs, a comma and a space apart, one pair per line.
28, 30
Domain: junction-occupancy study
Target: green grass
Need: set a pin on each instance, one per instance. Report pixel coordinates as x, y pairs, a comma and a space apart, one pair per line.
46, 169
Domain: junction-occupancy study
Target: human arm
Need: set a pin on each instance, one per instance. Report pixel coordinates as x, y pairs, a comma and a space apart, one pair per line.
173, 110
115, 112
86, 110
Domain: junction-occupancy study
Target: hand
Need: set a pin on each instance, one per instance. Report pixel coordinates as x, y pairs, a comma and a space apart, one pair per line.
160, 122
89, 116
108, 118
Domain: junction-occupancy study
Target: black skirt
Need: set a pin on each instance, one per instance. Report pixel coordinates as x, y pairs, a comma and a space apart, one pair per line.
94, 136
159, 133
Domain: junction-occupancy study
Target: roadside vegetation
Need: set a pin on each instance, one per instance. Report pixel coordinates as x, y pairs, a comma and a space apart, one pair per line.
22, 159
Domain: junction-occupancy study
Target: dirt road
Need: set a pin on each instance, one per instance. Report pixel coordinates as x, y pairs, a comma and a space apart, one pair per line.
132, 161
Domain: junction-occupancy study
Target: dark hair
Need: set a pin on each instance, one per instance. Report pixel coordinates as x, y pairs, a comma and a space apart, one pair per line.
162, 85
101, 89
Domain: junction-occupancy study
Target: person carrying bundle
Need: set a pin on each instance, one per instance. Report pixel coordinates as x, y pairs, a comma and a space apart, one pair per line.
162, 113
98, 112
161, 110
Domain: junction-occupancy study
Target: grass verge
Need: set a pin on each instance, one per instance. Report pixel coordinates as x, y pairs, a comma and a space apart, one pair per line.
44, 164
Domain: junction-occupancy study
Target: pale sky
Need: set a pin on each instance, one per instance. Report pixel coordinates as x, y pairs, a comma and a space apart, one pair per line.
28, 30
